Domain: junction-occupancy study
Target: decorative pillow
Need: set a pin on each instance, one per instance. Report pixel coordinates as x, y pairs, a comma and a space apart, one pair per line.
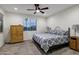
48, 29
53, 32
58, 31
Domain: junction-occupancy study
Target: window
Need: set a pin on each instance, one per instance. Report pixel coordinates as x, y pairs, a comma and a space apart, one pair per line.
30, 24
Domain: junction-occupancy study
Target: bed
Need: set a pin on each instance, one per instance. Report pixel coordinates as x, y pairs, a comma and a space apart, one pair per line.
49, 39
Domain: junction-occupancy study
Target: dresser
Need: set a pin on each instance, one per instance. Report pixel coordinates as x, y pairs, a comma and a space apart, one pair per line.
16, 33
74, 43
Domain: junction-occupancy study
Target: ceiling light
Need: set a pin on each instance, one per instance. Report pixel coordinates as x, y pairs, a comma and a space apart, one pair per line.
15, 9
37, 11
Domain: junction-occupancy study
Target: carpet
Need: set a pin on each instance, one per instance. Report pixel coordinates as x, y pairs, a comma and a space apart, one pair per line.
30, 48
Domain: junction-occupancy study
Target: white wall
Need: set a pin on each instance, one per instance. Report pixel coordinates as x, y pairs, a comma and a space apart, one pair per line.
1, 34
15, 19
65, 18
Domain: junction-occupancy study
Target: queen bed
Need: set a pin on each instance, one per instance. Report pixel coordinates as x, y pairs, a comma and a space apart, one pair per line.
51, 38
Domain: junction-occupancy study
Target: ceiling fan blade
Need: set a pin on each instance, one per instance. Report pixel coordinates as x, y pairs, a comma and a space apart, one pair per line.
34, 12
38, 8
30, 9
44, 8
42, 12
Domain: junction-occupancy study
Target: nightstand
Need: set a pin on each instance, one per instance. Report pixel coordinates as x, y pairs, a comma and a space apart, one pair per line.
74, 43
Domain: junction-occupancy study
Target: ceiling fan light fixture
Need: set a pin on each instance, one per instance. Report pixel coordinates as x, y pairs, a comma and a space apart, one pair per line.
37, 11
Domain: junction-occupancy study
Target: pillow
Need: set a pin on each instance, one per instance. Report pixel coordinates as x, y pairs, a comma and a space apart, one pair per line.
58, 31
52, 32
62, 32
48, 29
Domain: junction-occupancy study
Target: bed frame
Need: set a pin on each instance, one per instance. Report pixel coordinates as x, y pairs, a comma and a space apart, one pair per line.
51, 49
54, 47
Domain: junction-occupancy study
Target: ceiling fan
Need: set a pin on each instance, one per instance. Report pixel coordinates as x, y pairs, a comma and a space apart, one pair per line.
38, 9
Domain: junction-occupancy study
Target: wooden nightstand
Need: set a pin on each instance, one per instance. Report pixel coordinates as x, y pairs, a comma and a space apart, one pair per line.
74, 43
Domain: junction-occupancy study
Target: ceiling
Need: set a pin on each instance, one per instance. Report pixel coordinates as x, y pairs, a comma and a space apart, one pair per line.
53, 8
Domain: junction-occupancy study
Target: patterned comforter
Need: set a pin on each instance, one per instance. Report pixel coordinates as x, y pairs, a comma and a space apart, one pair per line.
46, 40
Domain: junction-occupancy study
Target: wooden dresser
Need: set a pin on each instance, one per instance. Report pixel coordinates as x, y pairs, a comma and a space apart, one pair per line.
74, 43
16, 33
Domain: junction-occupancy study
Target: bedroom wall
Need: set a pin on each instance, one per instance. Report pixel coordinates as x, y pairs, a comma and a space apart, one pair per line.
1, 34
65, 18
15, 19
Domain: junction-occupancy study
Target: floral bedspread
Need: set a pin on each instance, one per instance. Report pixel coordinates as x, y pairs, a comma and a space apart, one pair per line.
46, 40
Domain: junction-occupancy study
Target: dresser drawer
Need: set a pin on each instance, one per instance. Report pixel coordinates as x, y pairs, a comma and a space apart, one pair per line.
72, 43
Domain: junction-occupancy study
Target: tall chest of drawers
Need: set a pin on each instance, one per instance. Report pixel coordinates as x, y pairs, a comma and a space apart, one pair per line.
16, 33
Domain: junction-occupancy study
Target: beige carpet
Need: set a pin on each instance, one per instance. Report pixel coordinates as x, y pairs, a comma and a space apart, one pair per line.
29, 48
